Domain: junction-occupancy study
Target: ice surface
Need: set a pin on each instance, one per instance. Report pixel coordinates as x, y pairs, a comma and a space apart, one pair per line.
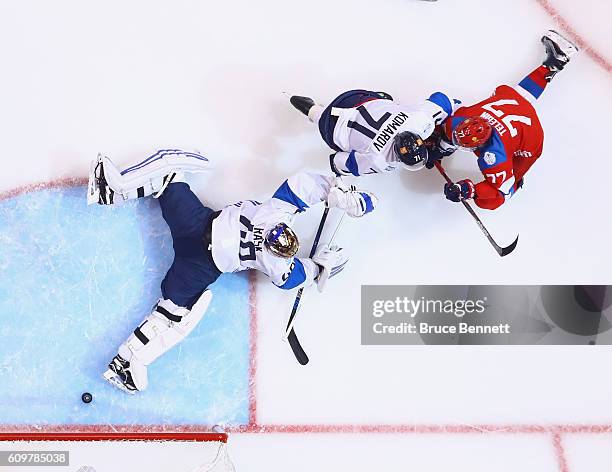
76, 280
125, 77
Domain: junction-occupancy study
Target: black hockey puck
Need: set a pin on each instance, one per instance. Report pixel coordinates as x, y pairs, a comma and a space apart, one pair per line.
87, 397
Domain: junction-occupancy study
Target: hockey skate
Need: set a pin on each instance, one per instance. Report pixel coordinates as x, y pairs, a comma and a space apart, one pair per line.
303, 104
119, 375
98, 190
559, 50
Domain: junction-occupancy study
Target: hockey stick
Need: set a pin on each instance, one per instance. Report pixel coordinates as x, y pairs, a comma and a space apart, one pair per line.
292, 316
294, 342
502, 251
296, 347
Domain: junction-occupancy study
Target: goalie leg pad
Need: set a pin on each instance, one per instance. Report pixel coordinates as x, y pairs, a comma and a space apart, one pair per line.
164, 328
149, 177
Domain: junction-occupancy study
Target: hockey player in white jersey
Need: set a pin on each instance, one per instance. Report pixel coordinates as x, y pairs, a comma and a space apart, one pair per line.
372, 133
245, 235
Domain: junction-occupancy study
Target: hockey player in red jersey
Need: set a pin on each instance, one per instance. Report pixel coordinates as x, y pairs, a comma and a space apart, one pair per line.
503, 131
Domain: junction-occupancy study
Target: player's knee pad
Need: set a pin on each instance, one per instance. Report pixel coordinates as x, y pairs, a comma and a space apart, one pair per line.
150, 177
165, 327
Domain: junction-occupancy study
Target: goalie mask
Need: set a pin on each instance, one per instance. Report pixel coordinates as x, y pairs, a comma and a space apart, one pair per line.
411, 150
282, 241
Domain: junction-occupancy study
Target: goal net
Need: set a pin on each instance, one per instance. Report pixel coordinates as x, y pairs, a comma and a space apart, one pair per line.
115, 451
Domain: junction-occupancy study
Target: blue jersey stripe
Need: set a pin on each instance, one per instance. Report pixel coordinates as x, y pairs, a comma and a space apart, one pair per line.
368, 202
495, 147
287, 195
442, 101
351, 164
296, 277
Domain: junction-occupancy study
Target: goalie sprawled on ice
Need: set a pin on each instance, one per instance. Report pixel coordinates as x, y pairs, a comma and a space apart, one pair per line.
245, 235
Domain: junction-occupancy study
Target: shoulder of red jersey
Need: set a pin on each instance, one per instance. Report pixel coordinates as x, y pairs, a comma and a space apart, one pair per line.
508, 112
492, 154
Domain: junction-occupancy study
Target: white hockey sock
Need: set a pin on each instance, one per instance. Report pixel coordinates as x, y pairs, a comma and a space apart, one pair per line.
315, 113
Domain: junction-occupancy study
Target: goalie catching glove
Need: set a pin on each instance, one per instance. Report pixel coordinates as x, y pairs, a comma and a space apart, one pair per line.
331, 261
355, 203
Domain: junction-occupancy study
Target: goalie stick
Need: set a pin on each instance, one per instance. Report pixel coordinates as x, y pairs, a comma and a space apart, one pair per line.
294, 342
502, 251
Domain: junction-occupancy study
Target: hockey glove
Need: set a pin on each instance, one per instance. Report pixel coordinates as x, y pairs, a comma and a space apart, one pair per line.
355, 203
437, 149
459, 191
331, 261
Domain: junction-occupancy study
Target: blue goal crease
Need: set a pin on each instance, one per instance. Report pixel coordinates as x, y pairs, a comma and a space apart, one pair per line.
75, 281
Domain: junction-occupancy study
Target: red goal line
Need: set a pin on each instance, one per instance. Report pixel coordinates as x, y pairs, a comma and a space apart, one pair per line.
203, 433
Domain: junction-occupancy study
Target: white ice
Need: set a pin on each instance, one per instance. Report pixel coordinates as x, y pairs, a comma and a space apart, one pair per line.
127, 77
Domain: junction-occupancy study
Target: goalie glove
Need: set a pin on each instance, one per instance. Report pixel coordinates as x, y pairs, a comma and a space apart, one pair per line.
331, 261
355, 203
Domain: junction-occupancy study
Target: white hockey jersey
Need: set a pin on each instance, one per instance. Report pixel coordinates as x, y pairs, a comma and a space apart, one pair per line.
365, 133
238, 232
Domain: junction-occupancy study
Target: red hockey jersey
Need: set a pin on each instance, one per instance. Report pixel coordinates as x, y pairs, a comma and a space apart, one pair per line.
516, 143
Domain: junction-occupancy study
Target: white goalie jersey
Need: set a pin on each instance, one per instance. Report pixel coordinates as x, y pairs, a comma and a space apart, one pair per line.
365, 133
238, 232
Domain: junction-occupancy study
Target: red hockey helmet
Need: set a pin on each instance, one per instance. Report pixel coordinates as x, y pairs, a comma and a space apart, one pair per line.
472, 132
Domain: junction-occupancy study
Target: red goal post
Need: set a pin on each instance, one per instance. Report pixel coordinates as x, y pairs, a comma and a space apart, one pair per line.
99, 449
113, 436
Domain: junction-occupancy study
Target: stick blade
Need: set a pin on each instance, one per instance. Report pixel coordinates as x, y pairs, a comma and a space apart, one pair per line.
504, 251
297, 349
